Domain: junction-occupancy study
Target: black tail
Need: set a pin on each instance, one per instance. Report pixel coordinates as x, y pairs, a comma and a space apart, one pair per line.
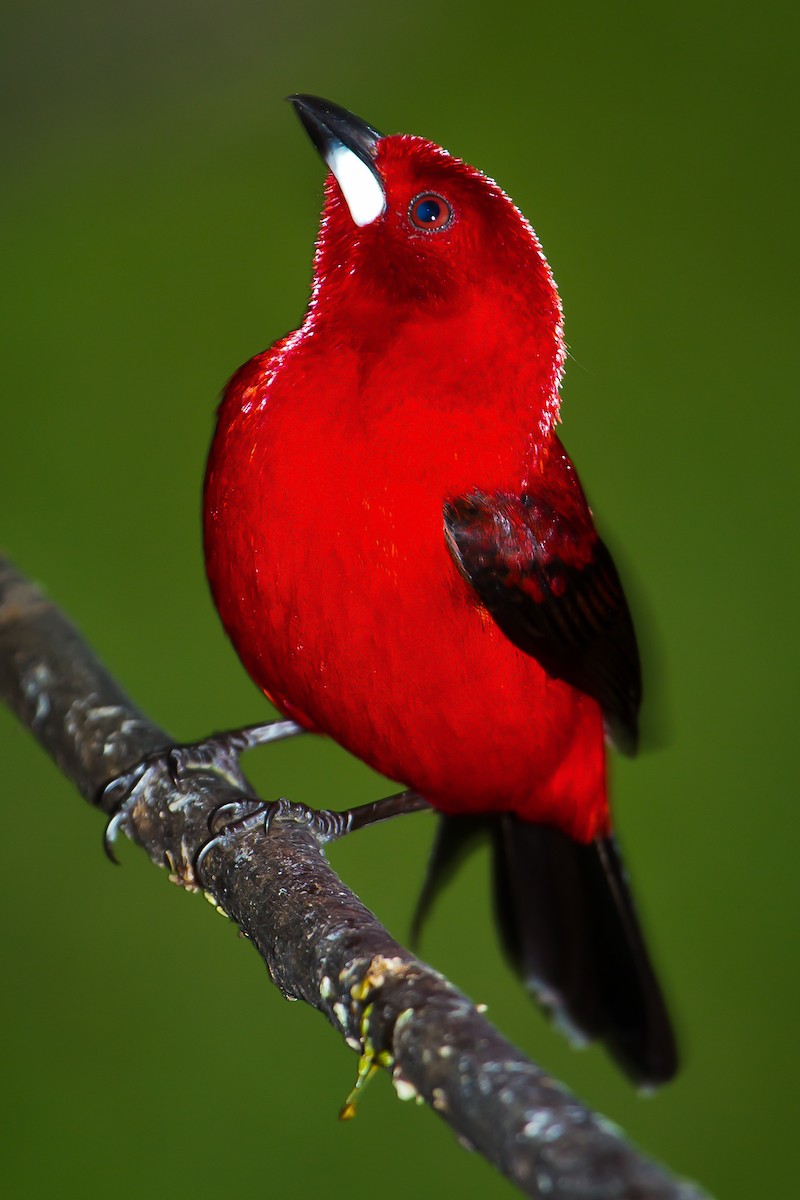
569, 927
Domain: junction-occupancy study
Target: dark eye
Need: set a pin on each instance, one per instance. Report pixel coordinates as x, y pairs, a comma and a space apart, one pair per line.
430, 212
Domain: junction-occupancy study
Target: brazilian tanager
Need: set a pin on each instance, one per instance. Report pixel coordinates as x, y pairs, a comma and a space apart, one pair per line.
402, 554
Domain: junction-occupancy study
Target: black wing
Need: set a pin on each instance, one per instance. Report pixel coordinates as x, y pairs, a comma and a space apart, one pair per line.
552, 587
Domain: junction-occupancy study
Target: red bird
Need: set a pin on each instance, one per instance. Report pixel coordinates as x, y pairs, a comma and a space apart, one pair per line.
401, 552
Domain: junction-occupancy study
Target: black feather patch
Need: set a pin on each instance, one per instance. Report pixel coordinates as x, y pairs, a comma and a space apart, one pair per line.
552, 588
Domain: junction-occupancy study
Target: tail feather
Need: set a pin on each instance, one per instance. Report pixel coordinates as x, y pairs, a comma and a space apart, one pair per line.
455, 838
568, 925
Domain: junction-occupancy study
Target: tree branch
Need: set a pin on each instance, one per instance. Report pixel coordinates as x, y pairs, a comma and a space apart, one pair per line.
318, 941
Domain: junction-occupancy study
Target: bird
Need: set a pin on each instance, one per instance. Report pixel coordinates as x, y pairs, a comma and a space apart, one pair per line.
401, 552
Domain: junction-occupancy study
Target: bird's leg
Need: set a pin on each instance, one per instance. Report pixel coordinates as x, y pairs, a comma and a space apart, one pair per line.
217, 755
383, 810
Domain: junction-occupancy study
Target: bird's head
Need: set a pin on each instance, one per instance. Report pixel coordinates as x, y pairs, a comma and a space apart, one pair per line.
407, 228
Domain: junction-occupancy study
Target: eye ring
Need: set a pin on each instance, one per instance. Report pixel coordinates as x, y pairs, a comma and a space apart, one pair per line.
430, 213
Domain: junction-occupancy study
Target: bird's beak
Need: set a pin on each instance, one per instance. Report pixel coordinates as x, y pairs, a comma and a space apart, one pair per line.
348, 146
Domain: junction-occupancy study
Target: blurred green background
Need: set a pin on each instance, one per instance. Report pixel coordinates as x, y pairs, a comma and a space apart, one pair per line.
159, 208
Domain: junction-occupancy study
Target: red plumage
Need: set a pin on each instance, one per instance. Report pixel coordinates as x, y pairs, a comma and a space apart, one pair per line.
425, 373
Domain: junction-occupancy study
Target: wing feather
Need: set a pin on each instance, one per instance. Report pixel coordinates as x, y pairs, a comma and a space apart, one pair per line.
551, 585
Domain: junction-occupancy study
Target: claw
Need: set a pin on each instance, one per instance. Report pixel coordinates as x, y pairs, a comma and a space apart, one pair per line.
201, 856
124, 785
225, 819
281, 809
235, 812
110, 832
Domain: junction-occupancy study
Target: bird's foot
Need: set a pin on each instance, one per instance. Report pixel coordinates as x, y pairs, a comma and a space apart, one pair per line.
241, 816
326, 824
217, 756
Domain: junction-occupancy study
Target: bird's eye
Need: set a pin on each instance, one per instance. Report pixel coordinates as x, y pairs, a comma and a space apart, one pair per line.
430, 212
